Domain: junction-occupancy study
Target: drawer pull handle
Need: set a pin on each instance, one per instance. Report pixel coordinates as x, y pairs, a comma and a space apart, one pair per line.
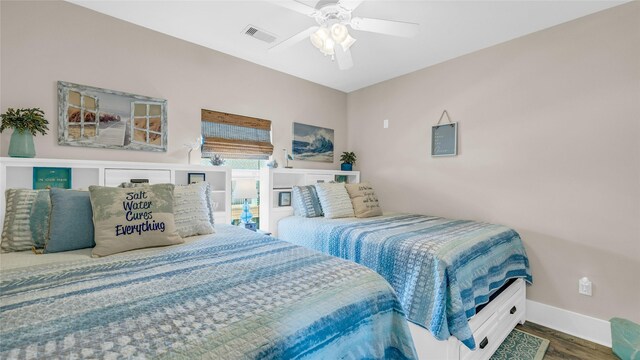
513, 310
484, 343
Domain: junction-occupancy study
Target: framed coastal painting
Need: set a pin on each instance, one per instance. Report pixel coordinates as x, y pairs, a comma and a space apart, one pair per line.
110, 119
312, 143
284, 198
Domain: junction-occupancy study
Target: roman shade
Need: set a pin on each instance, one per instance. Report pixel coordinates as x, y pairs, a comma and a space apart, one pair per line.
235, 136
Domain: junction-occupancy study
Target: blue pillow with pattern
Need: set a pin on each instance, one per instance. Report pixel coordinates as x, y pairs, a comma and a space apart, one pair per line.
305, 201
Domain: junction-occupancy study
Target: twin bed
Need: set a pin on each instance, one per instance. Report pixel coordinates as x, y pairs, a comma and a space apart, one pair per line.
461, 281
231, 295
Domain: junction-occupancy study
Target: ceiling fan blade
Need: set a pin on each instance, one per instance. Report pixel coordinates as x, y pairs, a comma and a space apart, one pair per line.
350, 4
343, 58
304, 34
295, 6
388, 27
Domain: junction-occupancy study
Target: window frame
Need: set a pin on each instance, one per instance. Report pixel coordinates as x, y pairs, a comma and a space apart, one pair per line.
147, 118
83, 111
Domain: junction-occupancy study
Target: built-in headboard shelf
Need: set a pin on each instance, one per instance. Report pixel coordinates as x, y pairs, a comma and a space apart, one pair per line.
18, 173
275, 181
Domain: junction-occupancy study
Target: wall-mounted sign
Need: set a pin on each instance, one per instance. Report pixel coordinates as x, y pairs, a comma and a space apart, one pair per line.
444, 140
51, 177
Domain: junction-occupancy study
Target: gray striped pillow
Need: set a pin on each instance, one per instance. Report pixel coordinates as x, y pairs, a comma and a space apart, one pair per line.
305, 201
335, 200
26, 219
212, 204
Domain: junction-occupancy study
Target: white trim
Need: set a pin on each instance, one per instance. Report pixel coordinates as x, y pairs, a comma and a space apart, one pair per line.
572, 323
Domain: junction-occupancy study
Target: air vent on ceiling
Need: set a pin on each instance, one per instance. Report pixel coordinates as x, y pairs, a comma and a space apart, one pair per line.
259, 34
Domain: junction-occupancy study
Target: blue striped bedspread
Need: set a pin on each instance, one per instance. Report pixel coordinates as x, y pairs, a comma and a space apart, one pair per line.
232, 295
441, 269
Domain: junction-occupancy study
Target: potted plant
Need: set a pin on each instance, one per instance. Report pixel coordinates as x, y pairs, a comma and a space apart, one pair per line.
348, 158
25, 124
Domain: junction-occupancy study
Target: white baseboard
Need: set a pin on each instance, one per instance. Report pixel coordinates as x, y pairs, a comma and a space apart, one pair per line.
582, 326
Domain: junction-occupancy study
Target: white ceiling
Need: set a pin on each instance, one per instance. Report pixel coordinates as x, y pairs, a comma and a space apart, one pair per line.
448, 29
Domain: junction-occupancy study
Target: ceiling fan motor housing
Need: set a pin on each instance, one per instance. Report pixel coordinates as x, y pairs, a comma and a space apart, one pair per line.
331, 12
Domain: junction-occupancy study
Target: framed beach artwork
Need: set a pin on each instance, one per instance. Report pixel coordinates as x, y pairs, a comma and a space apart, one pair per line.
94, 117
284, 198
312, 143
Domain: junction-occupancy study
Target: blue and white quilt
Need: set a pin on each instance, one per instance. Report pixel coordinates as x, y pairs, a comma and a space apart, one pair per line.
441, 269
232, 295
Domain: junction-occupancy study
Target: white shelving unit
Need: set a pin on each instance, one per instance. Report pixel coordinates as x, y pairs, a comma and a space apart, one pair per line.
17, 173
275, 181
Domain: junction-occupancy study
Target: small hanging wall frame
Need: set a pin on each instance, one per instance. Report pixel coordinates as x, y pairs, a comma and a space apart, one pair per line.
444, 137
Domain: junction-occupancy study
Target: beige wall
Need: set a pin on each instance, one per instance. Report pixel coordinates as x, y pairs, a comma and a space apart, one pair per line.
549, 143
43, 42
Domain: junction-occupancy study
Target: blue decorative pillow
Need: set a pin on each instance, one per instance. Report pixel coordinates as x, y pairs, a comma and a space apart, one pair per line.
305, 201
71, 226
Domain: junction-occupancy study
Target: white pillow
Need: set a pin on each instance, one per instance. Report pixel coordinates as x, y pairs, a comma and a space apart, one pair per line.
335, 200
192, 209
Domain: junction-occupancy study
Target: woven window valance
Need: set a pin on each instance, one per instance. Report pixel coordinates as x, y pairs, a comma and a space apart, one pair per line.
235, 136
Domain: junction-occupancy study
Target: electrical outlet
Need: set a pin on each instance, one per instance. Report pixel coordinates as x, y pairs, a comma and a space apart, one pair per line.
584, 286
385, 123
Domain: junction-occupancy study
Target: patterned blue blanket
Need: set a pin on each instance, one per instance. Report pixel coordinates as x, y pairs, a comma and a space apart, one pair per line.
441, 269
233, 295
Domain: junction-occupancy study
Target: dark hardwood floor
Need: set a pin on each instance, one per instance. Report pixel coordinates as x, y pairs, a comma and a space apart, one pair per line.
563, 346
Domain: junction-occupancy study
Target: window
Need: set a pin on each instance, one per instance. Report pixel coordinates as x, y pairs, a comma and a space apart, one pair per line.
82, 115
146, 127
235, 136
245, 143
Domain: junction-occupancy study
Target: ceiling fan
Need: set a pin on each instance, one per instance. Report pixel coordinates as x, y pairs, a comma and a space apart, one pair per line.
331, 35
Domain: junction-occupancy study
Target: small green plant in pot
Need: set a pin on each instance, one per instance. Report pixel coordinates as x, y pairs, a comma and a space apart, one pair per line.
348, 159
25, 124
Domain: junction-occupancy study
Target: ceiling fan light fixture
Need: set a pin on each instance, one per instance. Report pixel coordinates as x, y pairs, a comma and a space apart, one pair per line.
347, 42
328, 48
323, 40
320, 37
316, 40
339, 32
